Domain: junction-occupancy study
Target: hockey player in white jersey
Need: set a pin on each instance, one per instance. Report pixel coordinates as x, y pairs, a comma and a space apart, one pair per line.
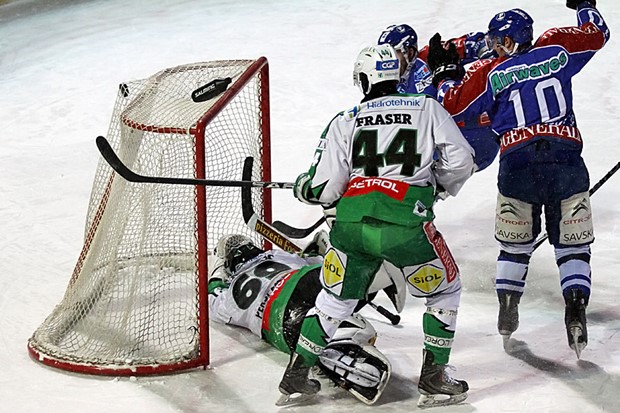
381, 163
269, 293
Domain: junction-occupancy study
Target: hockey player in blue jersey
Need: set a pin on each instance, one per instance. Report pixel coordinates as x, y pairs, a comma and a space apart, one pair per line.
415, 77
527, 92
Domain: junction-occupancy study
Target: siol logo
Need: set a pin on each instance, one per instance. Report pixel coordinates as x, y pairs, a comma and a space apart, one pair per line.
387, 65
333, 270
427, 278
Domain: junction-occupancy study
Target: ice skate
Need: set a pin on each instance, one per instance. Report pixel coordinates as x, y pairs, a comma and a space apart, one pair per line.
296, 387
437, 387
508, 317
575, 320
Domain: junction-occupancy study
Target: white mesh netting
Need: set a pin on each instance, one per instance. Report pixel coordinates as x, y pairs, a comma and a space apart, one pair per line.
133, 304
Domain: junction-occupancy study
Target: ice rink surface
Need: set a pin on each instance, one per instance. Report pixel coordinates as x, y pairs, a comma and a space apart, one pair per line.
60, 66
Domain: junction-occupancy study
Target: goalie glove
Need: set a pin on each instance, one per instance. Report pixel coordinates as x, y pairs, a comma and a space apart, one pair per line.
572, 4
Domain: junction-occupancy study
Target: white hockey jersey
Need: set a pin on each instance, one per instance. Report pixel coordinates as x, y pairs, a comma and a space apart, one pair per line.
243, 302
409, 138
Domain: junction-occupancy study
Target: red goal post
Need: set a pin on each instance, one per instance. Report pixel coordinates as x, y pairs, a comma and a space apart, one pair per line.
136, 303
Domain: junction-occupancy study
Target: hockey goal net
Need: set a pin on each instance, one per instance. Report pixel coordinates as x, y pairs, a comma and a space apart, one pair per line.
136, 303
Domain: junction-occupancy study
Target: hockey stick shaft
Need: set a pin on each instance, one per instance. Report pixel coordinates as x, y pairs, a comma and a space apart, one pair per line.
591, 192
114, 161
255, 223
394, 318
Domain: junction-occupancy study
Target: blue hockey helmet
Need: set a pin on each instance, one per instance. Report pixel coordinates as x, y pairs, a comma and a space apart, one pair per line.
400, 37
516, 24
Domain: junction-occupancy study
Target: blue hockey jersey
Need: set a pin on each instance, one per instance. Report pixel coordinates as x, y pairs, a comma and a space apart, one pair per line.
528, 96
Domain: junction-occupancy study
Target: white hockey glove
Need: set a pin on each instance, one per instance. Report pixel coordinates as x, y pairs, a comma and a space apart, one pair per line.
440, 193
318, 245
301, 188
330, 215
217, 269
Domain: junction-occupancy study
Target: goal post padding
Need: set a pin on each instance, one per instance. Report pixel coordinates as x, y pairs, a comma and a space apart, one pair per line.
136, 302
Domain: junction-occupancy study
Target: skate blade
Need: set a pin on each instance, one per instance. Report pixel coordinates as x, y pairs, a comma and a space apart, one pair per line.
506, 342
434, 400
577, 346
293, 399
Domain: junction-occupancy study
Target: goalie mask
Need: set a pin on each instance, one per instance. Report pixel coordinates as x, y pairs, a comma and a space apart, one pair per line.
362, 370
236, 250
375, 64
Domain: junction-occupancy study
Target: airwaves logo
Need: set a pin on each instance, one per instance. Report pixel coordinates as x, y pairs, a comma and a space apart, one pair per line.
503, 79
333, 269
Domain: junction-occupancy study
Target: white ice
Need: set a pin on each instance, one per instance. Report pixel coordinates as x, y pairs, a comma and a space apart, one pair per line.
60, 65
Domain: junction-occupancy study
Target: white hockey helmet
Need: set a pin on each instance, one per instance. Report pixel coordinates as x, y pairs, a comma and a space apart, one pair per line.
375, 64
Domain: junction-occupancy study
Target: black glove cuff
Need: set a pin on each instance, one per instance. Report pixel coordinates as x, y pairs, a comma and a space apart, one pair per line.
448, 71
572, 4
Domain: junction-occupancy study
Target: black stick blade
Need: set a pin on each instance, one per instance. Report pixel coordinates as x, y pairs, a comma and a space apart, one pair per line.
297, 232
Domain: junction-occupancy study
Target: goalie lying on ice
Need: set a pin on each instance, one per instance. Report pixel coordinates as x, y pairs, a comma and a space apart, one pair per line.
269, 293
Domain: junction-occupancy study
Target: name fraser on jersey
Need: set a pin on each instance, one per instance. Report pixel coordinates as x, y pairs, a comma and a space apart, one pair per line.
388, 119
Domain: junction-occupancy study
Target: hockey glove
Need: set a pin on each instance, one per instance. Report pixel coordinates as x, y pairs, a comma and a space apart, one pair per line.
572, 4
444, 63
301, 188
330, 215
318, 245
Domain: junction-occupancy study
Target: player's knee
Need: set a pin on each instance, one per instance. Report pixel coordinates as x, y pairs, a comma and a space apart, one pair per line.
430, 278
333, 307
575, 227
514, 221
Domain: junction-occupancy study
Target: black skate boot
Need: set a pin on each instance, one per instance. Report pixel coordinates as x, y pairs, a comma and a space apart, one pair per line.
575, 319
295, 386
437, 387
508, 317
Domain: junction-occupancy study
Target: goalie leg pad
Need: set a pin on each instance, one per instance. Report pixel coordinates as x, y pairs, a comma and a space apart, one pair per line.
361, 370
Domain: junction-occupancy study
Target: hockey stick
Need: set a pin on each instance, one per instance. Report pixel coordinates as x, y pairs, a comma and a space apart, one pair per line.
111, 158
277, 238
394, 318
297, 232
592, 190
253, 221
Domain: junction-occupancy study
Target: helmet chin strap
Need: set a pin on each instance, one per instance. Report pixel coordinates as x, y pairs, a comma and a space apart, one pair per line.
515, 47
